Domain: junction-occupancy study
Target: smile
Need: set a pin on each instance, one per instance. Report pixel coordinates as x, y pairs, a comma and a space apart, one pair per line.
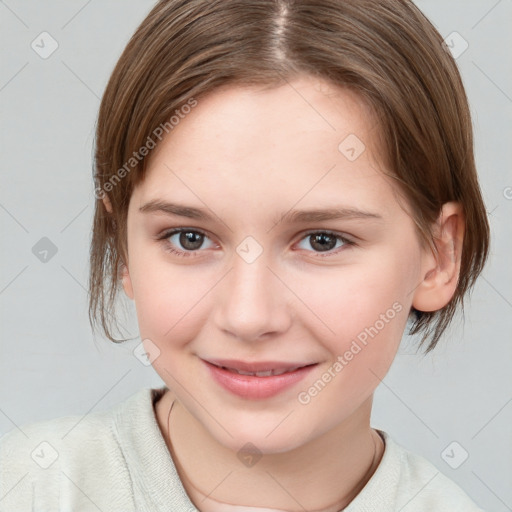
257, 380
265, 373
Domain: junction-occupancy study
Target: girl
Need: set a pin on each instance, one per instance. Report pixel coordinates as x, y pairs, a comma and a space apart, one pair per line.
282, 185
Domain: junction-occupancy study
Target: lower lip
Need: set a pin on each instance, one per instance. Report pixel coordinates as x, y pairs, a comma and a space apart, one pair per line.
254, 388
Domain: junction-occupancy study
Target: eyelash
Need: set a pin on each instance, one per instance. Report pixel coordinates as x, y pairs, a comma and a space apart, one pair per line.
169, 248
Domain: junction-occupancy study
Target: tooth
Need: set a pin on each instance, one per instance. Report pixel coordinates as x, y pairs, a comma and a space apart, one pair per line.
233, 370
266, 373
241, 372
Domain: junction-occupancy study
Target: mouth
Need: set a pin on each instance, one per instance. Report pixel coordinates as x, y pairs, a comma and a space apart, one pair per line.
260, 369
257, 380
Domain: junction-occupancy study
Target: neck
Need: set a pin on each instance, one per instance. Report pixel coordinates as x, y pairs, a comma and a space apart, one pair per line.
323, 475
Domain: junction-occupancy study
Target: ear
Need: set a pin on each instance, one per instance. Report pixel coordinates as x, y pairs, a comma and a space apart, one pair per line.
107, 203
124, 273
441, 271
127, 282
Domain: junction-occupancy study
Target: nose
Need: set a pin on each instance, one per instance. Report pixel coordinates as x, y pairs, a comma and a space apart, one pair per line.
252, 303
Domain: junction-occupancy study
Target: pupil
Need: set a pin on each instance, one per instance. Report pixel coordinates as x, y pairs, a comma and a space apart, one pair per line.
190, 240
323, 242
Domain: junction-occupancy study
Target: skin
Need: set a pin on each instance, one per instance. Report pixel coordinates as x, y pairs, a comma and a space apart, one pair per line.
252, 155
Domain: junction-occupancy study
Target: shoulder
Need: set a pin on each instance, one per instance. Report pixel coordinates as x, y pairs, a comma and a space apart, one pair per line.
48, 443
67, 458
410, 483
423, 487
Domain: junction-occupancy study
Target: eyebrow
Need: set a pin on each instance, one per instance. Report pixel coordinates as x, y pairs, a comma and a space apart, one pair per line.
292, 216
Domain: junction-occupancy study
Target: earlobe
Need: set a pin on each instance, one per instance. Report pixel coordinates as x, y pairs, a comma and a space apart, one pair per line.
441, 271
127, 282
107, 203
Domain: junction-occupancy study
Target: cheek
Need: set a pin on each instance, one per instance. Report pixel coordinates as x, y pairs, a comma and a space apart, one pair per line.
360, 314
171, 304
345, 301
368, 330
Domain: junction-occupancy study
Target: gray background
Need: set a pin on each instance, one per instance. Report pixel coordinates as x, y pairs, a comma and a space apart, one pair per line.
50, 364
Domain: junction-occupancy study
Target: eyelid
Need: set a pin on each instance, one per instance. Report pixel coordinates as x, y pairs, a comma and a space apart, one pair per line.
343, 236
173, 231
169, 247
347, 241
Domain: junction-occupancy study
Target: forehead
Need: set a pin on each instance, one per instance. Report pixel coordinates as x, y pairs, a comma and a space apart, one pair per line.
238, 119
301, 141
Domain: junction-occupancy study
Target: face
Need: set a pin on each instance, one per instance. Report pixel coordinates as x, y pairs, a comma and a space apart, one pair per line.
293, 252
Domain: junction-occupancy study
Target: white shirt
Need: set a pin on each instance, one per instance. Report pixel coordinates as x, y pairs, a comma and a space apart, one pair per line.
117, 461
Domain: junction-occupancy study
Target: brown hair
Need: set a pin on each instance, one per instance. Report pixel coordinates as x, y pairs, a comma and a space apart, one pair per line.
385, 50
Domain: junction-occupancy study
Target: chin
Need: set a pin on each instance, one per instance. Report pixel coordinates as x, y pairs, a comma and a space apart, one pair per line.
270, 435
255, 441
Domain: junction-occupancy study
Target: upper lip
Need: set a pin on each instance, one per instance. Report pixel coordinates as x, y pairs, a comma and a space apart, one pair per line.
256, 366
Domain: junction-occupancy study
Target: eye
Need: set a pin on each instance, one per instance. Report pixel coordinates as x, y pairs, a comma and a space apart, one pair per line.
324, 242
185, 242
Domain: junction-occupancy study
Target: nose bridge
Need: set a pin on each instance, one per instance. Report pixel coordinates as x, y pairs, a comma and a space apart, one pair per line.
252, 302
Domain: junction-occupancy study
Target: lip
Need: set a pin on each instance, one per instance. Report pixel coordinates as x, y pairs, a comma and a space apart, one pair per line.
251, 386
257, 366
